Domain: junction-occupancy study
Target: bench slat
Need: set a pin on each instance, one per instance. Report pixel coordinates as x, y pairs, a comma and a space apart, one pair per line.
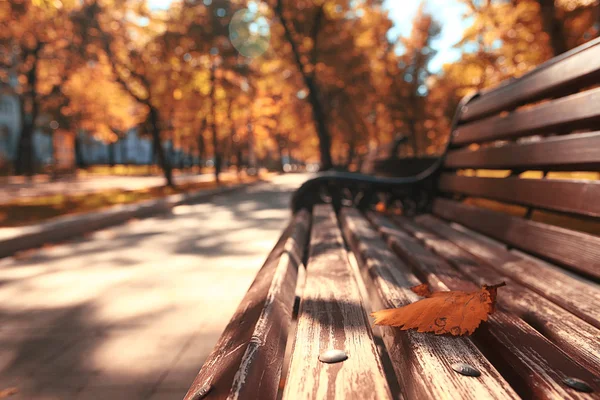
332, 316
578, 111
570, 71
256, 335
571, 293
578, 251
577, 152
534, 365
573, 335
260, 369
421, 361
579, 197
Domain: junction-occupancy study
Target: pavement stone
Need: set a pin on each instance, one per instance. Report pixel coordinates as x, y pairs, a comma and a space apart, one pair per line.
132, 311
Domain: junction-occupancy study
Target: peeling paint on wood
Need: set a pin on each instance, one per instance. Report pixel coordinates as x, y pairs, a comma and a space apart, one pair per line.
332, 316
573, 335
248, 357
580, 298
423, 363
533, 365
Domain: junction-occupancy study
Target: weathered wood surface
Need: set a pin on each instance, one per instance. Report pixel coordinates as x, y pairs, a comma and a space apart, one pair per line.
570, 71
256, 336
576, 152
573, 335
422, 362
578, 197
576, 250
533, 365
577, 111
576, 295
332, 316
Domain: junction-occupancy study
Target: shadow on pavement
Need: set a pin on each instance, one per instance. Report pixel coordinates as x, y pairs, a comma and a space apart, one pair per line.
132, 311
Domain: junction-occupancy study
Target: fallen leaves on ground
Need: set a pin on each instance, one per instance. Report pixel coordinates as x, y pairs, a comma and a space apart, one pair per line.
454, 312
32, 210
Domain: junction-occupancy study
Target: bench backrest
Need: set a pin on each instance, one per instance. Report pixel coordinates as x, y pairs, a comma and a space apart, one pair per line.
524, 161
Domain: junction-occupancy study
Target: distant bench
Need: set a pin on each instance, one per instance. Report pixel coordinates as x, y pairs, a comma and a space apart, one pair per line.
454, 229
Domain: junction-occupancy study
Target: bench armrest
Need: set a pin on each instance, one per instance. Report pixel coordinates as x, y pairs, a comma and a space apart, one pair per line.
361, 190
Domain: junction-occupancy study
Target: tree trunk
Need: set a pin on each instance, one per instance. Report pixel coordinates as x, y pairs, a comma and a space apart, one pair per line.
158, 149
313, 93
24, 163
201, 143
351, 153
413, 136
215, 140
553, 27
231, 144
252, 165
124, 154
79, 159
280, 150
322, 131
111, 154
201, 149
239, 160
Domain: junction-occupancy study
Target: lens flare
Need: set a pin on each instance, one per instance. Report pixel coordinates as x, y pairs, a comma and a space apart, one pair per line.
249, 33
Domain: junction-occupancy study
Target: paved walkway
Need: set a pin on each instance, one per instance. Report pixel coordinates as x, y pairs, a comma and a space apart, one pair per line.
132, 312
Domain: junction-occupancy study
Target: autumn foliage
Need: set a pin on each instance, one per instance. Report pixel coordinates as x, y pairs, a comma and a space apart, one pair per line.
240, 81
454, 312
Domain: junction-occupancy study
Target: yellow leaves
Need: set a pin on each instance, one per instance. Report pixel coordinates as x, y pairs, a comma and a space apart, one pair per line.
307, 44
220, 93
99, 103
103, 133
49, 4
177, 94
201, 81
366, 39
571, 5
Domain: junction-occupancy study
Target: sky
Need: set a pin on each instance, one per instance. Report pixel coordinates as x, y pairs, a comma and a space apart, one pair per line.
448, 12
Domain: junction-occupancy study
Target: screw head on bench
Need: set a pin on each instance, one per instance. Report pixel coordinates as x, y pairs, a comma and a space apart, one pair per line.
577, 384
333, 356
201, 392
466, 369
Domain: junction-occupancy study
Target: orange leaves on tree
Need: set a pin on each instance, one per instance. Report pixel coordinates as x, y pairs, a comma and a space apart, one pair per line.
454, 312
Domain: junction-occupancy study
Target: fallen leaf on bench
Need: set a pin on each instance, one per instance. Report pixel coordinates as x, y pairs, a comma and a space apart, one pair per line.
422, 290
454, 312
8, 392
380, 207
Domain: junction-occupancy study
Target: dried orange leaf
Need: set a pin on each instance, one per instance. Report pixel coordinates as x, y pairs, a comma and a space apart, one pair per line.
422, 290
380, 207
454, 312
8, 392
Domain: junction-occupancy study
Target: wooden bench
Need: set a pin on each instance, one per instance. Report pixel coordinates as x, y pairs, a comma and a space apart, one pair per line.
474, 217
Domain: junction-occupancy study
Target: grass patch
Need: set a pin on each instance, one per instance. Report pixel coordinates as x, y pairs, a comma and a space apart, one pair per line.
134, 170
28, 211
